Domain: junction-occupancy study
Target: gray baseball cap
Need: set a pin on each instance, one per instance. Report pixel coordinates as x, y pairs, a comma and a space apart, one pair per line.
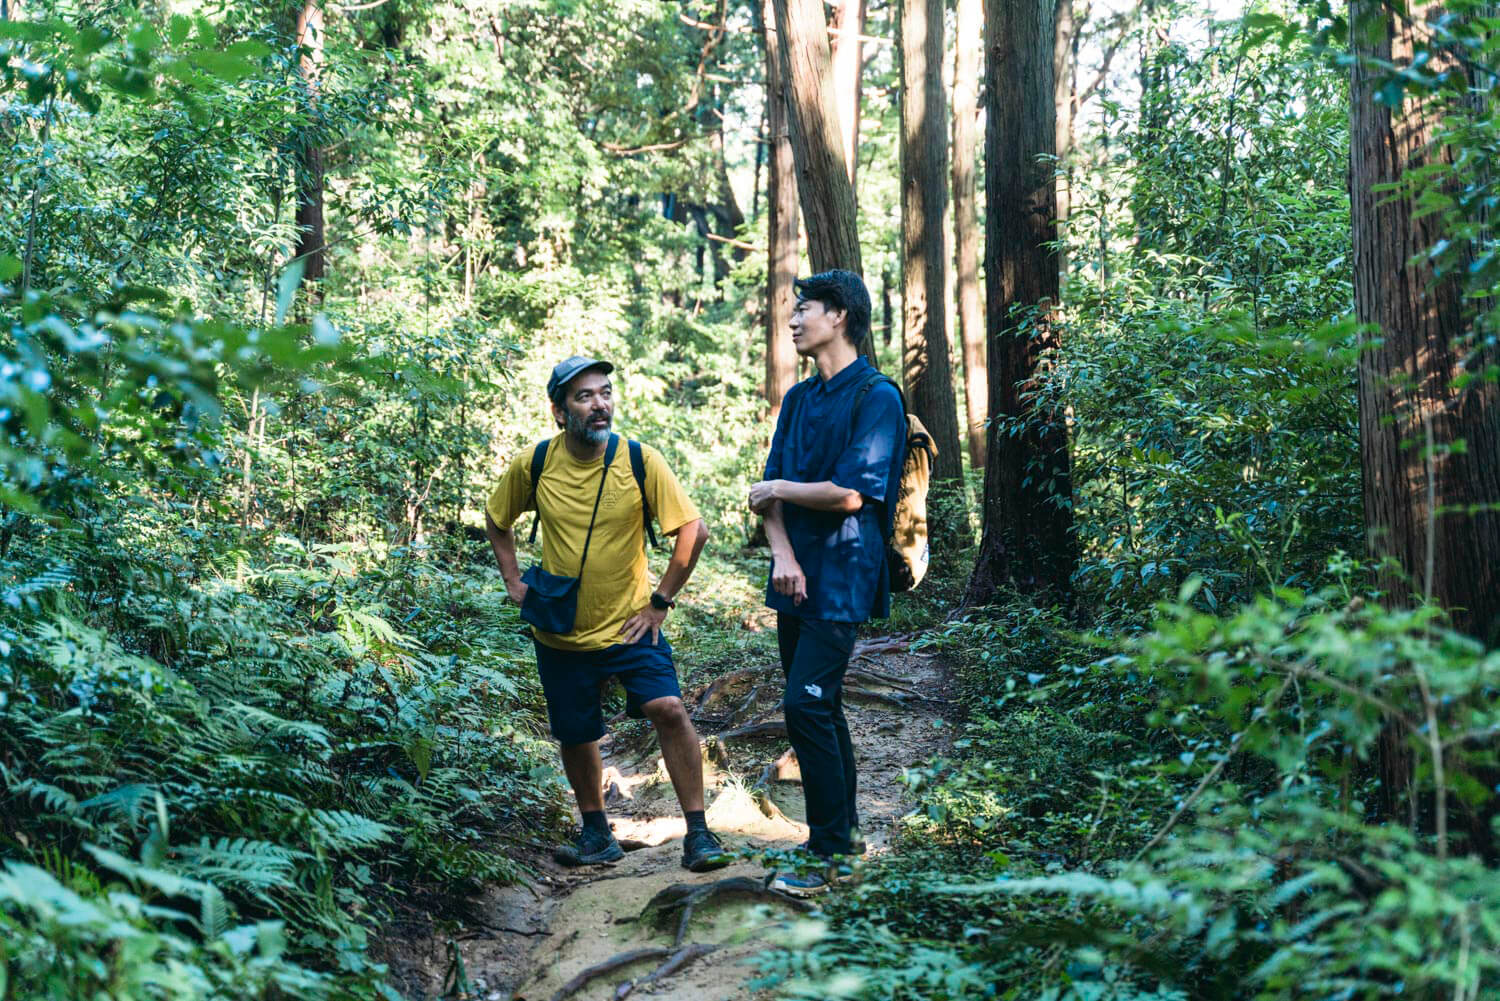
565, 370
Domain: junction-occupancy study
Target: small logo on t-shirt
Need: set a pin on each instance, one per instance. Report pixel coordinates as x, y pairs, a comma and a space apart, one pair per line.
814, 691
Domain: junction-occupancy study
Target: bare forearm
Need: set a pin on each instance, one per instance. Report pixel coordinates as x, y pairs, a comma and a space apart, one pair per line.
781, 543
824, 495
503, 542
685, 551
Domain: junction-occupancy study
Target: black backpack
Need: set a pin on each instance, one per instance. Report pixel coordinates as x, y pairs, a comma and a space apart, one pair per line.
637, 469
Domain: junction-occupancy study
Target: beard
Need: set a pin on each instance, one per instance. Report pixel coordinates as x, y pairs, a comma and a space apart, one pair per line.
579, 428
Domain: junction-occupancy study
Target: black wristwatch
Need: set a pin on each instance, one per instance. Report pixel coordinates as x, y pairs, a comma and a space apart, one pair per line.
661, 602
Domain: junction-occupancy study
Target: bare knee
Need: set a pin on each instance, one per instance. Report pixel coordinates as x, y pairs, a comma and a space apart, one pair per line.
667, 713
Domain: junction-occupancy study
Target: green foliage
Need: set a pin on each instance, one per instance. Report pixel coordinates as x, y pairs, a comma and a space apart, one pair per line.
176, 768
1208, 363
1262, 869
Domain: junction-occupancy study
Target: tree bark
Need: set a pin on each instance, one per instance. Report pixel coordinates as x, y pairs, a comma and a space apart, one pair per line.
727, 212
1064, 63
970, 31
848, 67
924, 260
781, 231
823, 188
311, 241
1418, 502
1028, 542
1424, 499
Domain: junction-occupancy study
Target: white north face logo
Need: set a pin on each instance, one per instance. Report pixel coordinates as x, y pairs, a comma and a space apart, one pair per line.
814, 691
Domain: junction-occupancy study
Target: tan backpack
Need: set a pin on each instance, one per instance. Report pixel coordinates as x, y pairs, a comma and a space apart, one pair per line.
906, 549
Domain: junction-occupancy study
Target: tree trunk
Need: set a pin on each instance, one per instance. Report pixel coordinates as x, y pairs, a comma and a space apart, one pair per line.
311, 240
1028, 541
887, 281
970, 30
924, 261
1417, 500
1064, 54
848, 67
724, 208
781, 231
1424, 498
823, 187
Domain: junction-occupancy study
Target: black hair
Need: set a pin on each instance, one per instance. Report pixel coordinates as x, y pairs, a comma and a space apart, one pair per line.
839, 289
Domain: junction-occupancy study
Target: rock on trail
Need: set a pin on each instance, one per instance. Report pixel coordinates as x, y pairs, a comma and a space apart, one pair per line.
612, 932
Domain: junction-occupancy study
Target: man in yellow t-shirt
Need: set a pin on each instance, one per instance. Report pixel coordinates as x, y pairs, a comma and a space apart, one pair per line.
590, 507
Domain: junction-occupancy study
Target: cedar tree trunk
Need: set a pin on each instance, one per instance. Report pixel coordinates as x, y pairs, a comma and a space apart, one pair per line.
1416, 502
823, 187
924, 259
1028, 541
781, 234
970, 31
1064, 59
848, 67
1422, 387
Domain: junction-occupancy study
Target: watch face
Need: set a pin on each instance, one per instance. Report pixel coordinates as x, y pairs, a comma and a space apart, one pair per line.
659, 603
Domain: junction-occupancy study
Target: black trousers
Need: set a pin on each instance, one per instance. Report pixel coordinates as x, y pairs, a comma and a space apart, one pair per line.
814, 657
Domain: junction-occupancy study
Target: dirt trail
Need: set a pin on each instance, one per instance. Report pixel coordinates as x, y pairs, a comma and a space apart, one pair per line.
532, 941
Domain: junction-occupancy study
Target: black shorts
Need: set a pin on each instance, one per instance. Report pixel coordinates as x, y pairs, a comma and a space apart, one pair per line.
573, 680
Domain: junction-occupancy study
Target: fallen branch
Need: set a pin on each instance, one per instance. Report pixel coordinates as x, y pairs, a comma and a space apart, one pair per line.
677, 961
685, 897
610, 965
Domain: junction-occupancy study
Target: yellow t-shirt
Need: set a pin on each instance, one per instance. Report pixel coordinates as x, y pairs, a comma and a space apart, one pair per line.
614, 585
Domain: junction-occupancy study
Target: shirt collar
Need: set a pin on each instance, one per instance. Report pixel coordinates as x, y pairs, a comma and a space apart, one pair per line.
844, 375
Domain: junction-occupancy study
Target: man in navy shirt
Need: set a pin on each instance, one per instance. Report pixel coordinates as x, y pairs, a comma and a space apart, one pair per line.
835, 462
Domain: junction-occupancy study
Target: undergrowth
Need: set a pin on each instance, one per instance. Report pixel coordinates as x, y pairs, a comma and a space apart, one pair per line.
212, 781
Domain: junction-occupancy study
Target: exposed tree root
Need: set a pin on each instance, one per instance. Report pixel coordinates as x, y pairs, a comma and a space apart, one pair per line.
542, 932
884, 698
882, 644
613, 963
680, 899
773, 769
705, 695
880, 678
675, 962
684, 897
769, 728
745, 706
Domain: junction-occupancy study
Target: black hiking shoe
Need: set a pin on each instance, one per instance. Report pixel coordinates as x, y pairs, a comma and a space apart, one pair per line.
589, 848
701, 852
813, 875
804, 885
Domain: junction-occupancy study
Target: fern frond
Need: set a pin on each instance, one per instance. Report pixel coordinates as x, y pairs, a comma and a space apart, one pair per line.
343, 830
239, 863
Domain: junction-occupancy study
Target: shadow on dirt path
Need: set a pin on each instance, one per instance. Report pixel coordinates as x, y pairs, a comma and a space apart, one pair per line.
646, 927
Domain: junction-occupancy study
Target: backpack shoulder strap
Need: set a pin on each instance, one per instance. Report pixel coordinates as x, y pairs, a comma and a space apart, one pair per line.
887, 522
638, 470
538, 462
871, 381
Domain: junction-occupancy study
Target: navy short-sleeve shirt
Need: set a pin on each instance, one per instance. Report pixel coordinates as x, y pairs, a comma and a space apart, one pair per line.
822, 435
